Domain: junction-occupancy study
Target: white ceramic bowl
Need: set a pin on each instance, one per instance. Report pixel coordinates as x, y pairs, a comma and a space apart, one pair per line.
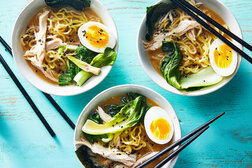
230, 20
122, 89
24, 17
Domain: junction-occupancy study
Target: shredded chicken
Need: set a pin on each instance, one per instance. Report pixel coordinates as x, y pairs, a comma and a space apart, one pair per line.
104, 116
112, 154
53, 44
192, 34
37, 53
183, 27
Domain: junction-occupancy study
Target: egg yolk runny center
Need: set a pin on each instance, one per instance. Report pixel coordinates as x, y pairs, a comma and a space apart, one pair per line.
97, 36
160, 128
223, 56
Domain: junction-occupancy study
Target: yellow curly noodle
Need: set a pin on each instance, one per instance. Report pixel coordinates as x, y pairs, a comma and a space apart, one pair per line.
195, 52
62, 23
129, 140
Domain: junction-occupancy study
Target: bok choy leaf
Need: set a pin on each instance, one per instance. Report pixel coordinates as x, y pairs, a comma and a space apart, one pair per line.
108, 57
76, 4
85, 66
128, 116
154, 13
170, 64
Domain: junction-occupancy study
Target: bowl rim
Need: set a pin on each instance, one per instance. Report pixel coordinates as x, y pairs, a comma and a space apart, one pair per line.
61, 91
206, 90
130, 86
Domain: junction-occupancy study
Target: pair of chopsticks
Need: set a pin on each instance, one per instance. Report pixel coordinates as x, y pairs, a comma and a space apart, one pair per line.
193, 135
28, 98
193, 12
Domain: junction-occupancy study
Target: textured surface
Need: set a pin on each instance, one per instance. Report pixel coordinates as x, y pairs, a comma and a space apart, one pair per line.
24, 142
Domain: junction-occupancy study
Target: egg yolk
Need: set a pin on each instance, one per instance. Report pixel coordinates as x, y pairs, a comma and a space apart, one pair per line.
96, 36
223, 56
160, 128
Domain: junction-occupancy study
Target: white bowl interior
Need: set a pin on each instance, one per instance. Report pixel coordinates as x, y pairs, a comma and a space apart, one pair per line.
230, 20
122, 89
22, 21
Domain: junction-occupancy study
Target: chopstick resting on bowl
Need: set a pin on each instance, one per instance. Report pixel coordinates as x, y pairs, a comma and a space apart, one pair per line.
27, 97
192, 11
194, 134
49, 97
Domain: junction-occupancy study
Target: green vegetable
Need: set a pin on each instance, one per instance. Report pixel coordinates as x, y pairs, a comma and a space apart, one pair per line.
85, 54
132, 96
67, 77
108, 57
113, 109
70, 75
76, 4
108, 138
154, 13
95, 138
85, 66
71, 70
167, 46
104, 59
95, 117
170, 64
205, 77
124, 100
82, 77
128, 116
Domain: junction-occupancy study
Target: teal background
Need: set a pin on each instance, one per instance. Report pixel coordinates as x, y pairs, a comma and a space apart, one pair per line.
24, 142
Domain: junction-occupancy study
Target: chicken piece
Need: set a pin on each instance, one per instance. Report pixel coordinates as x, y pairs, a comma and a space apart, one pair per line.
192, 34
37, 53
51, 74
183, 27
53, 44
104, 116
112, 154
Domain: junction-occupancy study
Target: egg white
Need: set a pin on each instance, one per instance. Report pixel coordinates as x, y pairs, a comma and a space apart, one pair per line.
222, 71
111, 42
152, 114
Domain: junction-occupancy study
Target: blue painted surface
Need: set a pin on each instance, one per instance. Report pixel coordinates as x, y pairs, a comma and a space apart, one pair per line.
24, 142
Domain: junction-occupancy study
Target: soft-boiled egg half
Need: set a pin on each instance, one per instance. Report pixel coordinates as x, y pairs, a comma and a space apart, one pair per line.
223, 59
96, 36
158, 125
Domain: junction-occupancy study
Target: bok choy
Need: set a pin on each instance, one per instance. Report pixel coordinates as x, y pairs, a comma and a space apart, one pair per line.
128, 116
170, 64
76, 4
108, 57
154, 13
85, 66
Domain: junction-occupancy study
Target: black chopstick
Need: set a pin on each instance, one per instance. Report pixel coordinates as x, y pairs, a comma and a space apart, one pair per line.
28, 98
212, 30
216, 24
57, 107
180, 141
168, 158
